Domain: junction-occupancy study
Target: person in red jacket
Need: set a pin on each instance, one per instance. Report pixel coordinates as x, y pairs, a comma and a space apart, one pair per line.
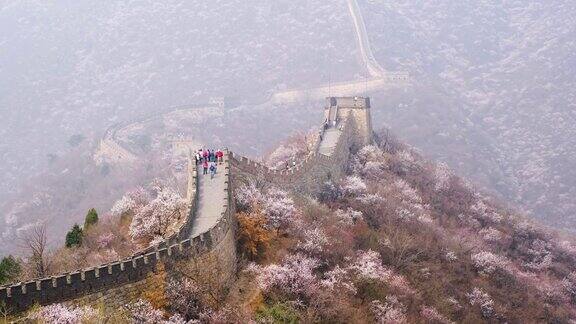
205, 155
205, 166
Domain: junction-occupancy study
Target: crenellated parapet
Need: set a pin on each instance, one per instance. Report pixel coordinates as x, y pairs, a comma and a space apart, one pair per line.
310, 173
69, 286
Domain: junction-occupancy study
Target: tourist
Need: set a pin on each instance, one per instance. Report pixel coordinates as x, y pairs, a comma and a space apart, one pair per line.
212, 157
205, 155
220, 156
212, 170
205, 166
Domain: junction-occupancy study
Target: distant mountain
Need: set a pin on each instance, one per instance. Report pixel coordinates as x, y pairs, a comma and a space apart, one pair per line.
496, 90
70, 68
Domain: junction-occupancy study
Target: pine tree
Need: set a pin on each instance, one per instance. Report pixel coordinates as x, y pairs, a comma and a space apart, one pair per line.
74, 236
91, 218
9, 269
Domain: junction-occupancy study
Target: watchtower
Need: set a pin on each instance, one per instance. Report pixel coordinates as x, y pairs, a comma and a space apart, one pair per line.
358, 108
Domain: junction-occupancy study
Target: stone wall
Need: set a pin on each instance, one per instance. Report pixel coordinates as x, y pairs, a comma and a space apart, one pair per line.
110, 151
210, 256
358, 108
309, 175
213, 265
120, 282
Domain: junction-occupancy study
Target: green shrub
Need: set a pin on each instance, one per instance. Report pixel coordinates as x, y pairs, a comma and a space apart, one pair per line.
277, 313
9, 269
74, 236
91, 218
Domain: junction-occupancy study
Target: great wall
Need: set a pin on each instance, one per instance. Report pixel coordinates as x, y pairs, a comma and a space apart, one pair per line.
376, 79
206, 239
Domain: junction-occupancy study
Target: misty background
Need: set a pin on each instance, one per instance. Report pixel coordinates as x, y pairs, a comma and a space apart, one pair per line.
491, 93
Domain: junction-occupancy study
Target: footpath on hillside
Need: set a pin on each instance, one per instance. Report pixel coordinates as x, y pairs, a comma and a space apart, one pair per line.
211, 199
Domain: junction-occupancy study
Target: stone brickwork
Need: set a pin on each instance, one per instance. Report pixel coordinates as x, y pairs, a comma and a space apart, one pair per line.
121, 281
353, 115
113, 299
358, 108
211, 255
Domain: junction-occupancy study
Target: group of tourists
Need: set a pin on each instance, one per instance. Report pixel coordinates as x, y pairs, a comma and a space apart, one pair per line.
209, 159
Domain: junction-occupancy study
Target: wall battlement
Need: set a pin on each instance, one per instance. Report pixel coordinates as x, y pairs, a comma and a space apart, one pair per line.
309, 174
68, 286
348, 102
358, 108
217, 244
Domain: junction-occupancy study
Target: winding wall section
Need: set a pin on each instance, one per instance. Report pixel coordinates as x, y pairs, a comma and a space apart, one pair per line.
134, 274
207, 237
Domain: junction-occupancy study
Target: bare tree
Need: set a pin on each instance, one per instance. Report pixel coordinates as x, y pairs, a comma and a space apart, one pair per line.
3, 312
387, 141
34, 242
207, 282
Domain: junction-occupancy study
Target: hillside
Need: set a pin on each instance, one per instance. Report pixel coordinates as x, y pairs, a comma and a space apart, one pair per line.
495, 97
399, 239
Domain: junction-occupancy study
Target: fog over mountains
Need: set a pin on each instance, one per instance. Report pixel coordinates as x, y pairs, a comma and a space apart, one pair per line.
493, 85
71, 67
507, 70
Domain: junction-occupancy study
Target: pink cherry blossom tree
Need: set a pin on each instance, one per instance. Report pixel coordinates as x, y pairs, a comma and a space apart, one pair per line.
491, 235
433, 316
353, 186
278, 208
131, 202
60, 314
184, 296
368, 265
487, 262
348, 216
390, 312
479, 298
247, 196
295, 276
569, 285
315, 240
442, 176
539, 255
338, 279
293, 149
142, 311
155, 218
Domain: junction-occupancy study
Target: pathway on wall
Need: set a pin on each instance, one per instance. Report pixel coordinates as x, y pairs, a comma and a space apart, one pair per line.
212, 196
210, 222
329, 141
